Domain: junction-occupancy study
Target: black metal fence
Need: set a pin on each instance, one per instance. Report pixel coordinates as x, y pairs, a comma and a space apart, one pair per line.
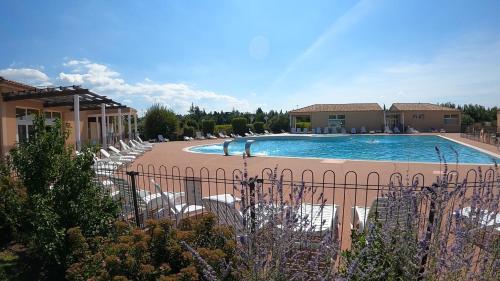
485, 137
147, 192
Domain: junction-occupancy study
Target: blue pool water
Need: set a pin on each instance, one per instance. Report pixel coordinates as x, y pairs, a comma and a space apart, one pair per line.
358, 147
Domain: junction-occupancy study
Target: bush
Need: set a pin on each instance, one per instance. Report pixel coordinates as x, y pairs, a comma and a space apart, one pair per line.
278, 123
188, 132
208, 126
250, 128
303, 125
159, 120
226, 129
159, 253
259, 127
58, 192
239, 125
191, 123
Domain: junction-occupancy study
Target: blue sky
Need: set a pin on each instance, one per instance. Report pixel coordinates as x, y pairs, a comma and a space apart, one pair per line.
245, 54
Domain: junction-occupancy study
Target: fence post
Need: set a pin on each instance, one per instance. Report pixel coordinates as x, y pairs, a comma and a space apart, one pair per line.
251, 184
428, 233
132, 175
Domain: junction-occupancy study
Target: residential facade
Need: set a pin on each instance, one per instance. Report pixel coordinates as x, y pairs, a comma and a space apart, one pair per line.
351, 115
20, 102
424, 117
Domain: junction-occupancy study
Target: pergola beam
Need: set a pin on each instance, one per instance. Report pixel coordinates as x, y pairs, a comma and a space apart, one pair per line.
40, 94
99, 108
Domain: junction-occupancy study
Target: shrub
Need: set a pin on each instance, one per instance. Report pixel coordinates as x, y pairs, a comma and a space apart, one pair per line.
162, 252
191, 123
159, 120
303, 125
208, 126
250, 128
188, 131
58, 193
226, 129
259, 127
239, 125
278, 123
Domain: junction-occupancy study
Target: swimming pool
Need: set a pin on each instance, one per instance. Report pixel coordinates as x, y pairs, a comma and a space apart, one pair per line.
357, 147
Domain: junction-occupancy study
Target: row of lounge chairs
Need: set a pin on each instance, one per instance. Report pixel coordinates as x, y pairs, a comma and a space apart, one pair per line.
222, 135
363, 130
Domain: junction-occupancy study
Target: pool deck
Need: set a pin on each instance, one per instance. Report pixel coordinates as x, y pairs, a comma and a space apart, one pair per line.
174, 154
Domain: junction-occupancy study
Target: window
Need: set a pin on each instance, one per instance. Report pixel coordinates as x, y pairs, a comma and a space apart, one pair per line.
51, 116
337, 121
450, 119
24, 120
418, 116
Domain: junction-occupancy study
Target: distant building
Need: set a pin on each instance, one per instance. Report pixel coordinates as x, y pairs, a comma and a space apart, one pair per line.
350, 115
424, 117
18, 103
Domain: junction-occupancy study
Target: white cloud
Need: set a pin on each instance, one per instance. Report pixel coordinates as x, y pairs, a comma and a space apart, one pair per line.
27, 75
179, 96
467, 71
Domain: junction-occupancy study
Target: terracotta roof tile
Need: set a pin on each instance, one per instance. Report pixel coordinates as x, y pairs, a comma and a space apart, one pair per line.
420, 107
339, 107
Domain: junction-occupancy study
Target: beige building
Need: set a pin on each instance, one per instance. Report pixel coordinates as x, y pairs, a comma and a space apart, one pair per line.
82, 110
424, 117
348, 116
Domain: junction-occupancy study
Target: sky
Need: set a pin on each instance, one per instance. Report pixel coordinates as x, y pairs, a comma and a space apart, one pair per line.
224, 55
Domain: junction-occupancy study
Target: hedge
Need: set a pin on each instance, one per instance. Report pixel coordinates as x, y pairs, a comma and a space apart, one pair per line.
188, 131
225, 129
259, 127
208, 126
239, 125
304, 125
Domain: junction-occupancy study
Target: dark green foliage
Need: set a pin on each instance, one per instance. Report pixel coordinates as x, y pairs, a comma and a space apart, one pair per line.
259, 127
250, 128
154, 254
208, 126
159, 120
226, 129
55, 192
188, 131
239, 126
279, 122
302, 125
191, 123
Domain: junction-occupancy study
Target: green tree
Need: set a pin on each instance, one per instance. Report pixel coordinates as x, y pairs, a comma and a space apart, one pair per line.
279, 122
159, 120
259, 127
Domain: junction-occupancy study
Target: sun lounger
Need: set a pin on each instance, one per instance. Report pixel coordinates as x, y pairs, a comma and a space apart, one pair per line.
148, 145
127, 148
353, 130
396, 130
143, 142
343, 130
442, 131
484, 218
210, 136
186, 138
363, 130
283, 131
326, 130
199, 136
162, 139
334, 130
118, 158
139, 147
294, 130
266, 132
123, 152
387, 130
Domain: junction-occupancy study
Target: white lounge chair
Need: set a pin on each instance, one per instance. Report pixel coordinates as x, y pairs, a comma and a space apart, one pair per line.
137, 147
128, 149
378, 210
353, 131
210, 136
118, 158
162, 139
363, 130
326, 130
334, 130
396, 130
293, 130
343, 130
143, 142
266, 132
387, 130
123, 152
148, 145
485, 219
199, 136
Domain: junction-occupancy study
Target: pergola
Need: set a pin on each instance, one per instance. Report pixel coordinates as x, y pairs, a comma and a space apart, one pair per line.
79, 99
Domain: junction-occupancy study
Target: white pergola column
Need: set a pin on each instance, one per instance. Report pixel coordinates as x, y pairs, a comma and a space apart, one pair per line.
129, 119
76, 112
403, 120
135, 125
385, 121
104, 126
120, 125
